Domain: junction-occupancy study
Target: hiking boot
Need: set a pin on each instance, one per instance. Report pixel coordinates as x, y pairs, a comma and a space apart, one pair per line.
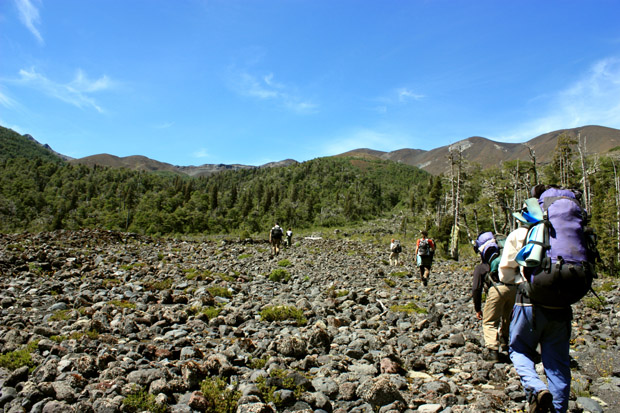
542, 403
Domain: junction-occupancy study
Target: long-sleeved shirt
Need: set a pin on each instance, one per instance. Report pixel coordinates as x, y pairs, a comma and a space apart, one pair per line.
509, 271
480, 272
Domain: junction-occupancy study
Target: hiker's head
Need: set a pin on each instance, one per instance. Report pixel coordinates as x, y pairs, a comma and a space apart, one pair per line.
393, 240
424, 233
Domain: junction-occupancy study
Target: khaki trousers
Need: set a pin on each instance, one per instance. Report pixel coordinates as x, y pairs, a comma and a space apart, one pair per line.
496, 315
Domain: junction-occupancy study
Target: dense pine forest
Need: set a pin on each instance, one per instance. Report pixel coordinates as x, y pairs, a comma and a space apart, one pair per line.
40, 192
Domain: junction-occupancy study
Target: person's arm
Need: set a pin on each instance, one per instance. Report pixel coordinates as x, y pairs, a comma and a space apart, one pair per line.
417, 246
476, 289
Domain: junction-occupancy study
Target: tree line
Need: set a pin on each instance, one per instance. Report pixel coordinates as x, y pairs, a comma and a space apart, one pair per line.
40, 193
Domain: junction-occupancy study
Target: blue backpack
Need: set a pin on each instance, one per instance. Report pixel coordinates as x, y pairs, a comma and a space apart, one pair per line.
560, 250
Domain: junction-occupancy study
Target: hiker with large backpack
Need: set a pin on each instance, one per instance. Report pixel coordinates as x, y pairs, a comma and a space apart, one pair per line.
395, 250
424, 252
275, 239
500, 290
558, 267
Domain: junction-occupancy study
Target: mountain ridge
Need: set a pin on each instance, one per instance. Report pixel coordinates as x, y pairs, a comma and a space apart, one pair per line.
484, 151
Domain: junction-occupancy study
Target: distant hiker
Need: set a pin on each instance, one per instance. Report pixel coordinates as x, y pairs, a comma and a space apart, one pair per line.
275, 239
500, 288
558, 267
289, 237
395, 250
424, 251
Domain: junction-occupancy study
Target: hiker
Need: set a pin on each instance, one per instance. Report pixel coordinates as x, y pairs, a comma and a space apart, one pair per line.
289, 237
499, 283
542, 313
395, 250
275, 239
424, 250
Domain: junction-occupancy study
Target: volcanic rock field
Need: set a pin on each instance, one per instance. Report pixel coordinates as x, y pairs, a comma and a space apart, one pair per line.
91, 320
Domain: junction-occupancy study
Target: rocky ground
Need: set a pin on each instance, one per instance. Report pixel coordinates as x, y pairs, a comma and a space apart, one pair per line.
96, 321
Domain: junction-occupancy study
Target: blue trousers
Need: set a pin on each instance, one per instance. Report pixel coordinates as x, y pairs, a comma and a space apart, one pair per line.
534, 325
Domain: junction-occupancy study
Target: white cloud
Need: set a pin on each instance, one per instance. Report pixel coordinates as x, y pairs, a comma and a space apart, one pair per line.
6, 101
266, 88
29, 15
201, 153
75, 92
594, 99
405, 95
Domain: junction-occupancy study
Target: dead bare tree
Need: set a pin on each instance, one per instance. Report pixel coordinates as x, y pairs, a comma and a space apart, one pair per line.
617, 199
581, 146
533, 160
456, 163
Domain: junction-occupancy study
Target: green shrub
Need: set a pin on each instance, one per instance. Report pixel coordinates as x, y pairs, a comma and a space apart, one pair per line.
211, 312
58, 339
607, 286
283, 312
122, 304
594, 302
142, 401
390, 283
257, 364
61, 315
284, 263
267, 392
196, 274
19, 358
110, 282
220, 399
279, 275
243, 256
160, 285
218, 291
409, 308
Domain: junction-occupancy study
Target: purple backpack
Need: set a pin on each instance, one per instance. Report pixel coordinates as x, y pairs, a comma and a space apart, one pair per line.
487, 246
565, 274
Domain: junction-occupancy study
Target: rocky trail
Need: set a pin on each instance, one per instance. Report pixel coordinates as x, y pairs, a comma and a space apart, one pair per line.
98, 321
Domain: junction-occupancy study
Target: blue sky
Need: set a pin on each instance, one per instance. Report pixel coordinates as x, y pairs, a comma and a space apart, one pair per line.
191, 82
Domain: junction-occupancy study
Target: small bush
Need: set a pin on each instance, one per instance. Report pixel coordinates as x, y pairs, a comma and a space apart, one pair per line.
279, 275
122, 304
142, 401
195, 274
220, 399
409, 308
284, 263
160, 285
594, 302
110, 282
257, 364
211, 312
243, 256
217, 291
607, 286
61, 315
58, 339
283, 312
390, 283
19, 358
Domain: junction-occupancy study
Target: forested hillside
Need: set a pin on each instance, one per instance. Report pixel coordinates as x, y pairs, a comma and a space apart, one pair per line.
40, 195
41, 192
12, 145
